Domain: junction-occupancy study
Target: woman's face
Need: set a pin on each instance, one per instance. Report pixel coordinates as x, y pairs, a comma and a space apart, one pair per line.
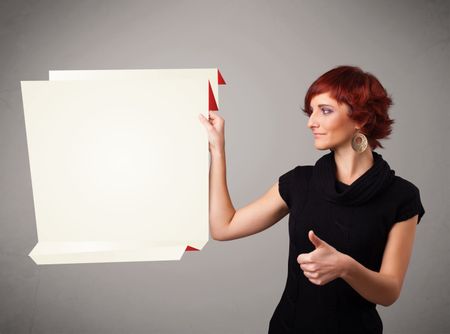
331, 121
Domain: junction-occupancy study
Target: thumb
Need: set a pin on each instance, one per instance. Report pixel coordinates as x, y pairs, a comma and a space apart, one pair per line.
213, 114
316, 241
205, 122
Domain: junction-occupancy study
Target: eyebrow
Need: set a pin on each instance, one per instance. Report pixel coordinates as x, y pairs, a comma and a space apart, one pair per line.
323, 105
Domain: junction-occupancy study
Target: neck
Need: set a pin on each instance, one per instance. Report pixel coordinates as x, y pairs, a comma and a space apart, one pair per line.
350, 164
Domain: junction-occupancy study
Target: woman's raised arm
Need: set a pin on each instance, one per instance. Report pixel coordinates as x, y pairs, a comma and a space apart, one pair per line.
226, 223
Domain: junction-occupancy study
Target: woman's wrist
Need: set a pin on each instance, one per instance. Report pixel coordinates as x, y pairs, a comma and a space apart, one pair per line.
218, 153
345, 265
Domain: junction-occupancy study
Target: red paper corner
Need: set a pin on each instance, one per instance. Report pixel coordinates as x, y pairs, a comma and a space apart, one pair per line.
212, 99
190, 249
220, 78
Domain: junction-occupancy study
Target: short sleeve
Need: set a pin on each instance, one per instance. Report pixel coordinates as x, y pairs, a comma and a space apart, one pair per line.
285, 186
410, 205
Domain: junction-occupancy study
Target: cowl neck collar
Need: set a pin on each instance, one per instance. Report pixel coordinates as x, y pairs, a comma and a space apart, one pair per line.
376, 179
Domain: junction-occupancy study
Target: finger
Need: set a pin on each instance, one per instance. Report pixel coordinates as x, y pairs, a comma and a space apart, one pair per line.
213, 115
304, 258
316, 281
308, 267
311, 275
205, 122
316, 241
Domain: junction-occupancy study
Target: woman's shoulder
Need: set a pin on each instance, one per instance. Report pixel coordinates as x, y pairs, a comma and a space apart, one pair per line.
297, 171
293, 184
302, 173
303, 168
407, 197
403, 185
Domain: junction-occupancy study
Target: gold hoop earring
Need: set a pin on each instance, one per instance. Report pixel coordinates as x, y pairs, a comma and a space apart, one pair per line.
359, 142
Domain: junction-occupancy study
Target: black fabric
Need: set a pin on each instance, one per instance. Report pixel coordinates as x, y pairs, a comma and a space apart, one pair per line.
372, 182
341, 187
356, 220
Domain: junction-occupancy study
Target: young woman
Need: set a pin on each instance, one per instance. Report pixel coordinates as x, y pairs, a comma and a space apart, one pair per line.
347, 253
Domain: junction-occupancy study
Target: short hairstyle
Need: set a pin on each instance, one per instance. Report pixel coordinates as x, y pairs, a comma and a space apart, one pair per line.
363, 93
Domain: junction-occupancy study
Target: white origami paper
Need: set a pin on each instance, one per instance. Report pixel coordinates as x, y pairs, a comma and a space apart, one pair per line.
119, 163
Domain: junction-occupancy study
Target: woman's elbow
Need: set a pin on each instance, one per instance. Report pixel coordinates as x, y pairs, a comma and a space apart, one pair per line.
218, 237
392, 299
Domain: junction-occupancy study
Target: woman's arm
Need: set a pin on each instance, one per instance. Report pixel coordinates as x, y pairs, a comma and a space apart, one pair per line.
221, 209
227, 223
384, 287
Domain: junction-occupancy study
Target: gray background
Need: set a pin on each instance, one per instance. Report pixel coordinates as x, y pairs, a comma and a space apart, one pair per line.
269, 53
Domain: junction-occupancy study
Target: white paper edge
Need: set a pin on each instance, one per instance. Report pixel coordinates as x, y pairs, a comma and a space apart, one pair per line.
211, 73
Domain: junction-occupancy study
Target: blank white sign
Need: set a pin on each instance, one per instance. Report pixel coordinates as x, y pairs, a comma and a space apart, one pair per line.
119, 167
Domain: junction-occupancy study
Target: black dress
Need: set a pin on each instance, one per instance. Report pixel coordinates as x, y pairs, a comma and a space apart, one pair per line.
355, 219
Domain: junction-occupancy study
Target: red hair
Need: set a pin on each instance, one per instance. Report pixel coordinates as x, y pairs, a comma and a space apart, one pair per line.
363, 93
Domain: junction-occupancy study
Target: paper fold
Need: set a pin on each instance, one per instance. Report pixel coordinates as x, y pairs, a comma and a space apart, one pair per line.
101, 251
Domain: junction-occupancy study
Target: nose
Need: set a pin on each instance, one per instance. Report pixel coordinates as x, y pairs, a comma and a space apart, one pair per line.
312, 121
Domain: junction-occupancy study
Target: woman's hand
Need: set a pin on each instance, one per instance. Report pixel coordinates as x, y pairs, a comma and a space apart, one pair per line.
215, 127
324, 264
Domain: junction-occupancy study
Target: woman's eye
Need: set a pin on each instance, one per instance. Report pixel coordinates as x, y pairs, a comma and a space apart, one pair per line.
327, 111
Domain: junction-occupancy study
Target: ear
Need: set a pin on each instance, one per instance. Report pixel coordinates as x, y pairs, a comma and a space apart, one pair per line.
360, 125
